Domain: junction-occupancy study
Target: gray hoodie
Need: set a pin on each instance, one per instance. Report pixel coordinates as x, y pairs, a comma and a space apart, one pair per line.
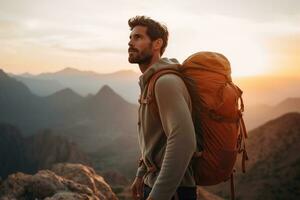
167, 137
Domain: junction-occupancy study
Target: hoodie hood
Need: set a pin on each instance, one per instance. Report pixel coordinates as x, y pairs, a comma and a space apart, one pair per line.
159, 65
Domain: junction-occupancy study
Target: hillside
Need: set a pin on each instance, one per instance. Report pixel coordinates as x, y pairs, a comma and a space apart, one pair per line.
257, 115
273, 170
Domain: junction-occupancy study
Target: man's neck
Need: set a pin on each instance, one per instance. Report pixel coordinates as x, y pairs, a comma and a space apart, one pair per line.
144, 67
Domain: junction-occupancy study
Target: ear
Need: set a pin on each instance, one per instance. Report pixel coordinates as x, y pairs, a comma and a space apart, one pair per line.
157, 44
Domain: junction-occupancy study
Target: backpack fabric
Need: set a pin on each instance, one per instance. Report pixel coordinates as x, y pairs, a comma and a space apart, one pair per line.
217, 115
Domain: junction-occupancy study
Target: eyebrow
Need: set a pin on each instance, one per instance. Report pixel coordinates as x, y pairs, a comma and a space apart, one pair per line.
136, 34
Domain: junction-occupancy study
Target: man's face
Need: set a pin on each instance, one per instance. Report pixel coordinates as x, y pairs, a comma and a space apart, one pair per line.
140, 46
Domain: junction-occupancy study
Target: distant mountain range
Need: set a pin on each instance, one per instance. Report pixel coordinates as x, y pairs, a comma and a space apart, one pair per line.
124, 82
101, 118
257, 115
257, 89
264, 97
273, 169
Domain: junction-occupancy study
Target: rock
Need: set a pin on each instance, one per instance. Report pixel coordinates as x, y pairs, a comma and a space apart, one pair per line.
45, 183
14, 186
66, 181
86, 176
71, 196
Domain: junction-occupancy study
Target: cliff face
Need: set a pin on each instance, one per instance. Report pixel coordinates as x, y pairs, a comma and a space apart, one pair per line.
12, 158
64, 181
46, 148
39, 151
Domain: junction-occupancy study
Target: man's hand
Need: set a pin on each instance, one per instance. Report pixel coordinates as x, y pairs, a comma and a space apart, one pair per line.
137, 188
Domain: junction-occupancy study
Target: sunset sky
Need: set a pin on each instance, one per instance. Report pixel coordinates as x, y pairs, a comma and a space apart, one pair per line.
258, 37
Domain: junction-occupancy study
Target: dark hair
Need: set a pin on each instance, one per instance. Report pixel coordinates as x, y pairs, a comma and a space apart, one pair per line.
155, 29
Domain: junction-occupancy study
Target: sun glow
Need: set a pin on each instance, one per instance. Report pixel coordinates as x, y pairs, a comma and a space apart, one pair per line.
251, 61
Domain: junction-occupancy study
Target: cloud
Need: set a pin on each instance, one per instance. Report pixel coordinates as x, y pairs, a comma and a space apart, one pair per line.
256, 10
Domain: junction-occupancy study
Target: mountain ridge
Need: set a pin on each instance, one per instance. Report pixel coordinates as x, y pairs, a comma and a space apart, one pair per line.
273, 168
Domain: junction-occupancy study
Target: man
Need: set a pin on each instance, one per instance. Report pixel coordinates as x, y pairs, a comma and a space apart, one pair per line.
166, 137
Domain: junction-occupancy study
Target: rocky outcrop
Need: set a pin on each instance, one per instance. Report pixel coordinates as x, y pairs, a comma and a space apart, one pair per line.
85, 176
65, 181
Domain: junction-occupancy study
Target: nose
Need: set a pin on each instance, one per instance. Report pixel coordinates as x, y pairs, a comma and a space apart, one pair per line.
130, 43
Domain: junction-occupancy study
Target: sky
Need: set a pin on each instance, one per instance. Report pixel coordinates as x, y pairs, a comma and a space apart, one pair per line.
259, 37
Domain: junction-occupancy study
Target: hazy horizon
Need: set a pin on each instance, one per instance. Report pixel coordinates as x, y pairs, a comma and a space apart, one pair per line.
292, 76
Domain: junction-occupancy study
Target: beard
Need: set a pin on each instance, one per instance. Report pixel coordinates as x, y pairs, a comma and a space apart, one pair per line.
140, 57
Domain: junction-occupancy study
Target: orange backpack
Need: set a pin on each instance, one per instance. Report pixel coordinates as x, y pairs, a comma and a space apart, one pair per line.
217, 115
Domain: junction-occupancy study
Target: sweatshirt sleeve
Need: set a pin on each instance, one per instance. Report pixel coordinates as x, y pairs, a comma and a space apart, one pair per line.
173, 100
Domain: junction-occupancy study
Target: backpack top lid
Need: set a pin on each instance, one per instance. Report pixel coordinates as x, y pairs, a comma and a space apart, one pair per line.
210, 61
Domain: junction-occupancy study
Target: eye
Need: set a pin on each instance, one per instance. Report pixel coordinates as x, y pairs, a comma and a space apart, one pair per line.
137, 36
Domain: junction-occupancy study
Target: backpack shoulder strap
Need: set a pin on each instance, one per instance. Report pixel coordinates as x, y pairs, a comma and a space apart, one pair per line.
150, 97
154, 78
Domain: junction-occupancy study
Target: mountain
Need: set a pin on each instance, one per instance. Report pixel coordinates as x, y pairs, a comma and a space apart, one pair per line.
289, 104
106, 115
96, 122
124, 82
273, 170
7, 84
259, 114
38, 86
106, 93
65, 110
39, 151
21, 107
63, 99
26, 74
68, 71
